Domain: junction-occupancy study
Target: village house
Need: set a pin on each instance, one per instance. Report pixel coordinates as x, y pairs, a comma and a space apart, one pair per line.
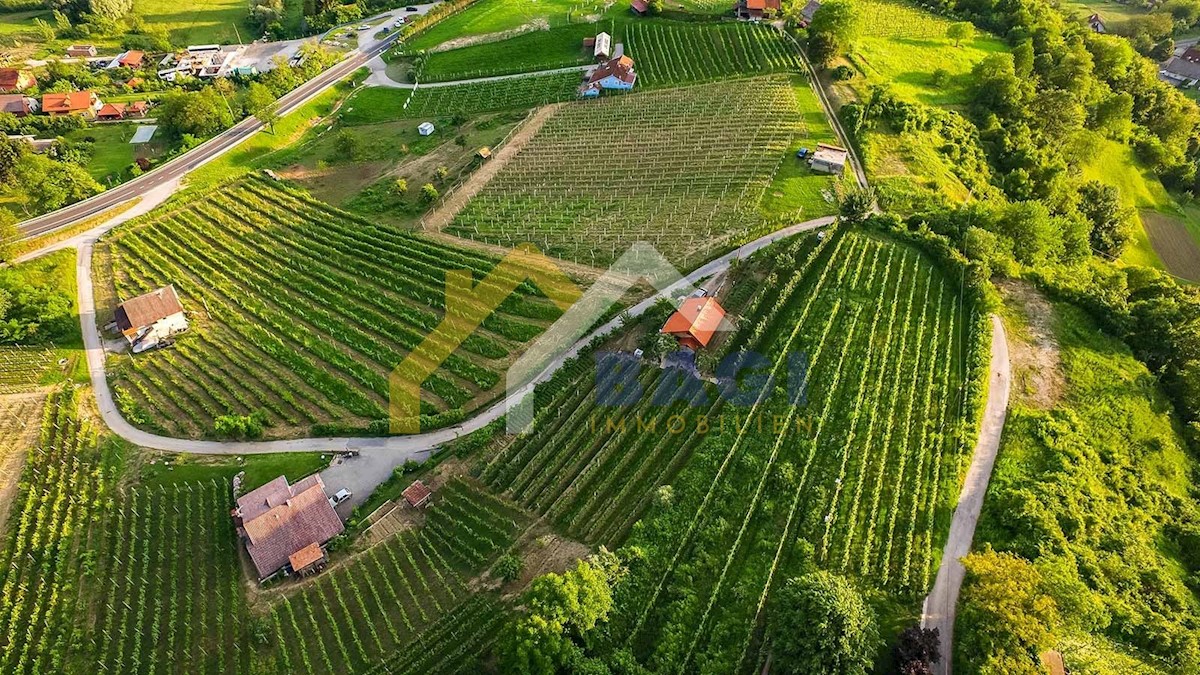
130, 59
17, 104
1096, 23
756, 10
14, 80
111, 112
82, 103
695, 323
615, 74
829, 159
203, 61
1182, 70
81, 51
285, 527
146, 320
640, 7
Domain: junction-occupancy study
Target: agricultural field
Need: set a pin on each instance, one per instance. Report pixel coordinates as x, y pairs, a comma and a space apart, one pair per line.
684, 169
23, 368
857, 475
500, 16
366, 611
298, 316
903, 47
205, 22
539, 50
375, 105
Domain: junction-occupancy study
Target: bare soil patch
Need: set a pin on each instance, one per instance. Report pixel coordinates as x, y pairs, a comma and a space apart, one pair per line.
20, 417
1173, 244
1034, 351
457, 43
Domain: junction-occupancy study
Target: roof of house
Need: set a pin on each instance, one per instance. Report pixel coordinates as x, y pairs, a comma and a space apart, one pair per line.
306, 556
14, 103
138, 107
620, 68
417, 493
131, 59
111, 109
280, 520
698, 317
640, 5
148, 308
10, 78
830, 154
134, 81
809, 10
1183, 68
68, 102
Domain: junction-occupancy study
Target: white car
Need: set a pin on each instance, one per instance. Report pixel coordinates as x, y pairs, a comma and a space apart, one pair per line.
341, 496
364, 27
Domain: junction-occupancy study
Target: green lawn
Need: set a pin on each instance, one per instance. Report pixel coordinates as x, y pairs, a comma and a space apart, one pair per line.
112, 153
493, 16
204, 22
903, 47
20, 24
170, 469
797, 190
540, 50
1115, 14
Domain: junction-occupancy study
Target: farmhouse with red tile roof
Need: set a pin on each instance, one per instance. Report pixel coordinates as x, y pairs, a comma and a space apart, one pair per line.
695, 322
70, 103
617, 74
281, 523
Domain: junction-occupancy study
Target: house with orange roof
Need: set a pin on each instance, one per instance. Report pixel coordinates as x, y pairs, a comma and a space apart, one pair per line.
695, 323
756, 10
111, 112
71, 103
285, 527
617, 73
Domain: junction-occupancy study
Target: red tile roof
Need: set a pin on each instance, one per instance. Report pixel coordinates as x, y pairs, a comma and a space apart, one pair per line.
131, 59
698, 318
15, 79
280, 520
14, 103
417, 493
137, 313
66, 103
111, 110
305, 556
620, 68
640, 6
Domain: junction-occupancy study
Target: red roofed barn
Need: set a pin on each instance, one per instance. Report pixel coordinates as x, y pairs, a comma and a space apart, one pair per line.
286, 525
755, 10
15, 79
695, 322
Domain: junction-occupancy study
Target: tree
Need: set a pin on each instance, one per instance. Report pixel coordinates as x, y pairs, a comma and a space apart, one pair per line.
51, 184
11, 151
348, 145
1110, 222
508, 567
959, 31
917, 649
110, 9
855, 204
429, 193
260, 102
819, 623
8, 234
833, 30
1005, 612
197, 113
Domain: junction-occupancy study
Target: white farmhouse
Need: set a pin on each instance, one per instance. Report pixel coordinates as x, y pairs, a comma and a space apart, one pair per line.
148, 319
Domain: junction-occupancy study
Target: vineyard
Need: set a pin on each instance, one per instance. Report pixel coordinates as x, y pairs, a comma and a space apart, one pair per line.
666, 54
861, 471
362, 614
299, 313
22, 367
684, 169
373, 105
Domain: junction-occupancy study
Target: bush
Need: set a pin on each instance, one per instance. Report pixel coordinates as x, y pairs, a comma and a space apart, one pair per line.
240, 426
842, 73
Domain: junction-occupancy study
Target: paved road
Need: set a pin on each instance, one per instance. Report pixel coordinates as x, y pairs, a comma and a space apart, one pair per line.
941, 604
175, 169
377, 456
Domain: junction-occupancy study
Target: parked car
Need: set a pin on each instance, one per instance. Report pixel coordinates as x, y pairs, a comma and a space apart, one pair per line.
410, 8
364, 27
802, 153
339, 497
699, 293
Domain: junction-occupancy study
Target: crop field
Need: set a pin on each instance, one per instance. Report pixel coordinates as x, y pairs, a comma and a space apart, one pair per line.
374, 105
204, 22
365, 612
669, 53
862, 468
530, 52
22, 367
683, 169
498, 16
299, 313
903, 46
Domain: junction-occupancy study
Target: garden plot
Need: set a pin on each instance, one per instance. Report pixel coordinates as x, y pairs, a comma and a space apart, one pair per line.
299, 313
683, 169
21, 367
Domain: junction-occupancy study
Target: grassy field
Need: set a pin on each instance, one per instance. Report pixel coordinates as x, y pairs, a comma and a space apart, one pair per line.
684, 169
496, 16
903, 46
165, 469
863, 468
1107, 494
298, 323
206, 22
540, 50
797, 191
375, 105
112, 153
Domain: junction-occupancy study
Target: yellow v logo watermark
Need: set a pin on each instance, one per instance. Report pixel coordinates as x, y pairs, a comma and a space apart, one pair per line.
468, 304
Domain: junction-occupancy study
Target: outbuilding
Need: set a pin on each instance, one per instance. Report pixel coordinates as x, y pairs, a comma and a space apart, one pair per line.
425, 128
150, 318
417, 494
829, 159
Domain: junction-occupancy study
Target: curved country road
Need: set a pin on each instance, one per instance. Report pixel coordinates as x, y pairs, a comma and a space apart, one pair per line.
941, 604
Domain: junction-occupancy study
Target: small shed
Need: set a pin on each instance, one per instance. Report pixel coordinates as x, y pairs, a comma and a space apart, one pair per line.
829, 159
484, 153
150, 318
639, 7
81, 51
602, 50
308, 560
425, 128
417, 494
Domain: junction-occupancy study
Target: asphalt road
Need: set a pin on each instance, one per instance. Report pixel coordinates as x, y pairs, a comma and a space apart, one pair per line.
175, 169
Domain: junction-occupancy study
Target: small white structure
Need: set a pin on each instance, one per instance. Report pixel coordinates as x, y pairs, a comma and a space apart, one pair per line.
143, 134
148, 319
425, 128
602, 50
829, 159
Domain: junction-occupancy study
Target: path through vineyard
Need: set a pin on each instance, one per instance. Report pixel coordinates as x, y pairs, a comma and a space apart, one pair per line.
941, 604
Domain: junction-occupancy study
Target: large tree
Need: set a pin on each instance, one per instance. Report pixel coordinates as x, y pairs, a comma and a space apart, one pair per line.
834, 28
820, 623
51, 184
197, 113
1110, 221
1006, 614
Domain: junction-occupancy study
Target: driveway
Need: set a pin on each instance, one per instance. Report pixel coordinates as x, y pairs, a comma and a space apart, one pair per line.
941, 604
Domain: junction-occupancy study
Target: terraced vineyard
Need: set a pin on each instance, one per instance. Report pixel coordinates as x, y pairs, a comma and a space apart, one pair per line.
365, 613
683, 169
667, 54
862, 468
21, 367
299, 313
